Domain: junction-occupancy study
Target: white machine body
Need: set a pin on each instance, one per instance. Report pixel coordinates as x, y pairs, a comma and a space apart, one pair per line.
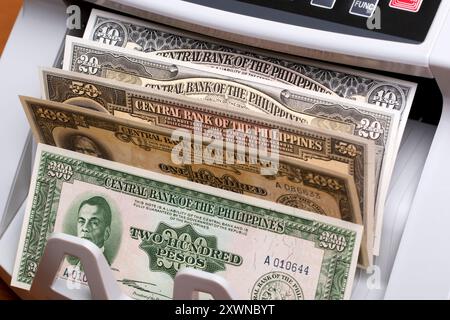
414, 259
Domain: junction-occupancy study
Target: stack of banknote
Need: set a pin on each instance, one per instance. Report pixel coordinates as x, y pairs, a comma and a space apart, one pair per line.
170, 149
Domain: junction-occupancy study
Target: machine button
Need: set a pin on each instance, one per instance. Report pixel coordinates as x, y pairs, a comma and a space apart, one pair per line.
327, 4
407, 5
364, 8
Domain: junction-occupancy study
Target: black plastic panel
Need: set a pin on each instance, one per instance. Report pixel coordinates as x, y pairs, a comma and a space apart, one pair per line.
396, 25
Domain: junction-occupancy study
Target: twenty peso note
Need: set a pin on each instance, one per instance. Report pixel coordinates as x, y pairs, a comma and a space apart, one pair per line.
150, 227
318, 146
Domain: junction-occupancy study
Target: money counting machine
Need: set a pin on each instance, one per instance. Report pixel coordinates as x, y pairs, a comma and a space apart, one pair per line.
407, 39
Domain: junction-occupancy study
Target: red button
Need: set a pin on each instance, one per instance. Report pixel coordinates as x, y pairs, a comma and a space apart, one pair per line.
407, 5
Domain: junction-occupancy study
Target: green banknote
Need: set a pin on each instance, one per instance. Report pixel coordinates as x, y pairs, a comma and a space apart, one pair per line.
149, 227
326, 148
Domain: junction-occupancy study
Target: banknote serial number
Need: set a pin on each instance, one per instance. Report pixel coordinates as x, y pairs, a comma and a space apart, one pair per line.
287, 265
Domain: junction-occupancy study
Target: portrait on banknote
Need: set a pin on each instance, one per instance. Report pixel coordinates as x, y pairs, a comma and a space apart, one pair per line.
93, 216
82, 143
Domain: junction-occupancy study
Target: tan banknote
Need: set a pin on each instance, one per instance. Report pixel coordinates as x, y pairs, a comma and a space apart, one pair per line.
251, 95
294, 183
150, 227
318, 146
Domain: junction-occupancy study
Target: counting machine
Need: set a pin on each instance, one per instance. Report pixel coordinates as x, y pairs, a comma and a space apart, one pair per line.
408, 39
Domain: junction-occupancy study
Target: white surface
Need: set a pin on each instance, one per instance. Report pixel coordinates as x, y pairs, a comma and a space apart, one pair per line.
422, 267
189, 282
407, 172
102, 284
19, 188
317, 44
9, 242
34, 41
